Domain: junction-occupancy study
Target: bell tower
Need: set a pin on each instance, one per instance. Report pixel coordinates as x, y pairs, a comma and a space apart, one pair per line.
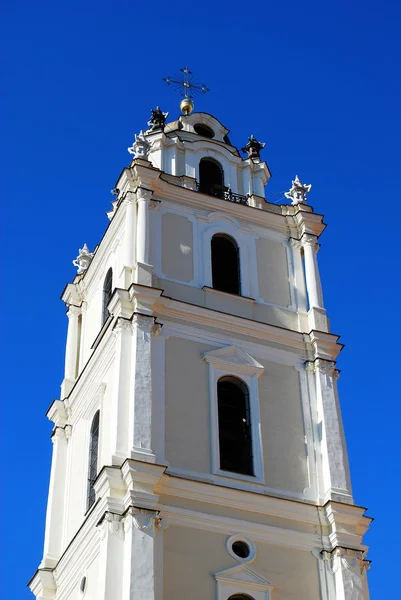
198, 448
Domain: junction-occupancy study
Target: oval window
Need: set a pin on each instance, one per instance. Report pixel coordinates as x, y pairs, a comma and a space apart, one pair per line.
204, 130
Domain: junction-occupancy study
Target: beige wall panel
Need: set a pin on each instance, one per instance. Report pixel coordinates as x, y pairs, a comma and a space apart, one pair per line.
282, 428
187, 406
192, 556
177, 247
274, 284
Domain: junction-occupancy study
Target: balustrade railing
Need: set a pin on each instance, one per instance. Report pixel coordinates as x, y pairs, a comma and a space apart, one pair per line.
224, 193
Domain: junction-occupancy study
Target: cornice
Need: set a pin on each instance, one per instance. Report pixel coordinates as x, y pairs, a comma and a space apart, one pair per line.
151, 301
292, 510
57, 413
257, 532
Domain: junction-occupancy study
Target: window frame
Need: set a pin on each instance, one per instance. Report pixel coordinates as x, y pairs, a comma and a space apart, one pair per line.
229, 226
241, 579
234, 362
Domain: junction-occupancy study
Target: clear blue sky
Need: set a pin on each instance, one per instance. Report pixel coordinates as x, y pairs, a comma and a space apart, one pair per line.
317, 81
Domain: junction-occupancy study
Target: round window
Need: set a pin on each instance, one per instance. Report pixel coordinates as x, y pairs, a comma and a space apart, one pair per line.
241, 548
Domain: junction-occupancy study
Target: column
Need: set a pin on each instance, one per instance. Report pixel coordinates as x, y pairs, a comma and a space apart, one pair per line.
312, 271
111, 556
121, 390
141, 402
55, 504
72, 350
336, 483
144, 270
129, 245
142, 555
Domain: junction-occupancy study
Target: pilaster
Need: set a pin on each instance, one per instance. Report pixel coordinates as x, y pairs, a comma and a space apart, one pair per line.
129, 239
72, 350
120, 429
43, 585
317, 314
299, 275
335, 479
144, 328
143, 575
348, 568
111, 553
144, 269
56, 499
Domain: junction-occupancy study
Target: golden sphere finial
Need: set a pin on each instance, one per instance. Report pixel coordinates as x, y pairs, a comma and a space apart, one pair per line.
186, 105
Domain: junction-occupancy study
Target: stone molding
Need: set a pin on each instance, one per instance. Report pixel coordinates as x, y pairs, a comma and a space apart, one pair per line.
322, 366
111, 524
73, 311
60, 433
143, 194
143, 322
156, 329
352, 560
308, 239
141, 518
122, 326
154, 205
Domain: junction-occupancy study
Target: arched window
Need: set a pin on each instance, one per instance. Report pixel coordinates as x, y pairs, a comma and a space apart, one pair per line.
240, 597
211, 180
235, 437
225, 264
93, 456
107, 290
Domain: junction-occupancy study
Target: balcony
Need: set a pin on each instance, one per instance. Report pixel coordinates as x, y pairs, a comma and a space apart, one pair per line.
222, 192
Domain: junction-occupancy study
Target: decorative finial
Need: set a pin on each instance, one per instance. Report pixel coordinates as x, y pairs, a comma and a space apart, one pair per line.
188, 87
297, 193
157, 119
140, 148
83, 259
253, 147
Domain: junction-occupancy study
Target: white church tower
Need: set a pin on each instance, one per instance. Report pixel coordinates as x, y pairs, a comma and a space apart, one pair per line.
198, 449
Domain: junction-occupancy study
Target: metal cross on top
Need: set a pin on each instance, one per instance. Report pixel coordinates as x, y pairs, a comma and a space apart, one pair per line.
188, 87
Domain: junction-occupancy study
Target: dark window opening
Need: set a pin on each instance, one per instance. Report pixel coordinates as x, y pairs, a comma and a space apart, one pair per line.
107, 290
93, 456
235, 437
241, 549
225, 265
240, 597
204, 130
211, 178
